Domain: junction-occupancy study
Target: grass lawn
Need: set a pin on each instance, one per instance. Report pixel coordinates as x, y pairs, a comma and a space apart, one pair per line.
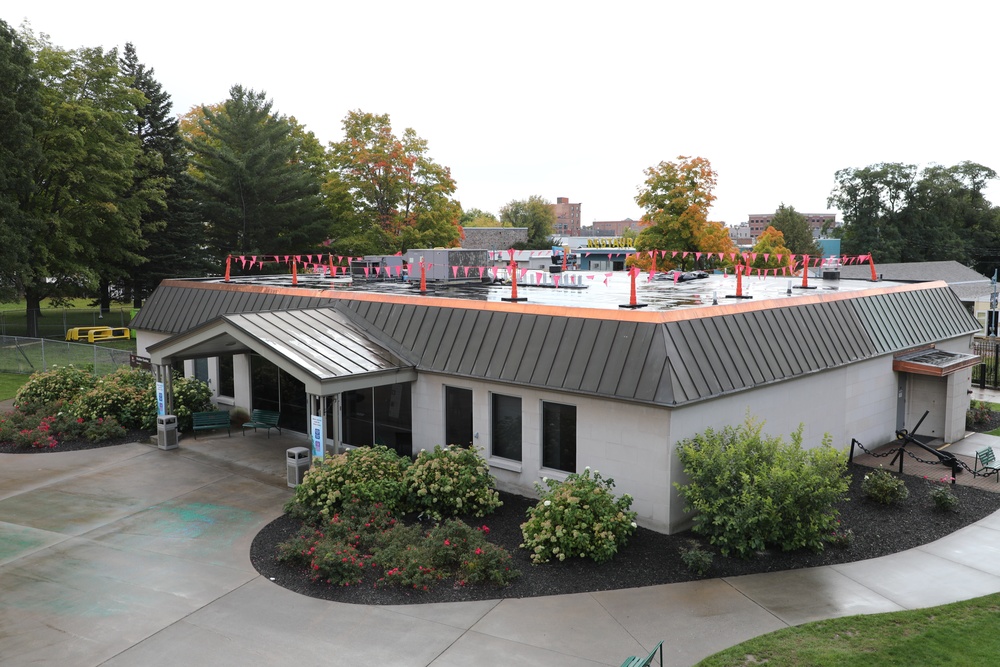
963, 633
10, 383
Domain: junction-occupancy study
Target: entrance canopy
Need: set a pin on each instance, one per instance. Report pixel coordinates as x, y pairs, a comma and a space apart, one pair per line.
320, 347
932, 361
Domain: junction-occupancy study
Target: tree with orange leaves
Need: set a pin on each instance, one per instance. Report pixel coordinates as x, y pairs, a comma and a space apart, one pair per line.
677, 197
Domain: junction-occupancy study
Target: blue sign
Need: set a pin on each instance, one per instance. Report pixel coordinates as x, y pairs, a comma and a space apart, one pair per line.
317, 436
161, 403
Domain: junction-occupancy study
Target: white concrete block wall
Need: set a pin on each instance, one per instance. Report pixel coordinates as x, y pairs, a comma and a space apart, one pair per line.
625, 442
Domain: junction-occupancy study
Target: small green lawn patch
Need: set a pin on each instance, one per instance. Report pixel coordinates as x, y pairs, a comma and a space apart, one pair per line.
10, 383
959, 634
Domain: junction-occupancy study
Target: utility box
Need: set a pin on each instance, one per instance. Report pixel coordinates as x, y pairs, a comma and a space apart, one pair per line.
166, 432
297, 461
448, 265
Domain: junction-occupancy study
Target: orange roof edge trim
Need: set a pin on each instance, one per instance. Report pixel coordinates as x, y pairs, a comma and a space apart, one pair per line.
622, 315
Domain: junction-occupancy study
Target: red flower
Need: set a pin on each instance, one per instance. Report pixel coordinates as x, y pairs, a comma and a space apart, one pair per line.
447, 543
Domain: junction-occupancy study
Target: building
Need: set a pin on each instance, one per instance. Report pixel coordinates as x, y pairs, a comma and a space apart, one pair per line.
615, 227
758, 222
568, 378
567, 218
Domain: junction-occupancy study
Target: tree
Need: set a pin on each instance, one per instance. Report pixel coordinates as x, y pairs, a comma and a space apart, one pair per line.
475, 217
795, 230
873, 202
256, 177
85, 208
902, 216
173, 232
772, 253
399, 194
677, 197
534, 213
20, 157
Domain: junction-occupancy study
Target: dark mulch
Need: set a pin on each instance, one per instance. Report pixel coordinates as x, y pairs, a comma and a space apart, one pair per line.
134, 435
651, 558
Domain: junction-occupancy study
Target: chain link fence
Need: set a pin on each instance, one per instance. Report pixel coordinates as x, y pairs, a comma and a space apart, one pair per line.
53, 323
27, 355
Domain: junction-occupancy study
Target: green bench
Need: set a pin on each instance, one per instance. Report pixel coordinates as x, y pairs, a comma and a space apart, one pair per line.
266, 419
205, 421
986, 460
633, 661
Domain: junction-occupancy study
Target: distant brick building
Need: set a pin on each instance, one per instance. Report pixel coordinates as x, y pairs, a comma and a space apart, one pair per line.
614, 227
567, 217
757, 223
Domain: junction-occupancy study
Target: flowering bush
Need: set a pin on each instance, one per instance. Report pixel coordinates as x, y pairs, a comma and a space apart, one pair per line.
944, 498
978, 414
103, 429
751, 490
450, 481
578, 517
127, 394
370, 474
366, 540
883, 487
841, 537
190, 395
61, 383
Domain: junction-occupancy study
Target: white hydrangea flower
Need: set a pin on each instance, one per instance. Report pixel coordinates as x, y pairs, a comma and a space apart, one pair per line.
547, 503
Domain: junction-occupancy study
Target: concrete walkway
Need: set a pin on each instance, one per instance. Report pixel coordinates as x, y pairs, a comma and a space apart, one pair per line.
135, 556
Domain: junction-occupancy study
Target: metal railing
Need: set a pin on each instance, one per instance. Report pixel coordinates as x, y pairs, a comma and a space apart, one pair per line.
55, 322
987, 373
28, 355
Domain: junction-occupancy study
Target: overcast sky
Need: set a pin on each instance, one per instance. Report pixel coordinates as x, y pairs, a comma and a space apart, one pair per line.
572, 99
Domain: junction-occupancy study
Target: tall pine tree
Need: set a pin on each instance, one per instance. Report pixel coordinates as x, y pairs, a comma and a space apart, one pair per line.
256, 179
173, 233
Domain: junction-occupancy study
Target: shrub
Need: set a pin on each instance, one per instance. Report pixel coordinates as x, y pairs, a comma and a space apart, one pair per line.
103, 429
450, 481
944, 498
128, 395
578, 518
61, 383
696, 559
751, 491
190, 395
883, 487
978, 414
370, 474
841, 537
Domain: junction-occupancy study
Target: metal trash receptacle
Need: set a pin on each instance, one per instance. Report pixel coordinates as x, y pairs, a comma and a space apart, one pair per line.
166, 432
297, 460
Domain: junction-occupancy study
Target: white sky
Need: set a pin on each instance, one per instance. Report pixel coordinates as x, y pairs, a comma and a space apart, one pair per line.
574, 99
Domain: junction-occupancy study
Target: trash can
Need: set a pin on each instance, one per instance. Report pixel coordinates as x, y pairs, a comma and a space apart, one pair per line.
297, 460
166, 432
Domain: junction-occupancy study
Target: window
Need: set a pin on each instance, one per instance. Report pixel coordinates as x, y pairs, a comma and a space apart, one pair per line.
458, 416
227, 384
201, 369
559, 436
506, 423
380, 415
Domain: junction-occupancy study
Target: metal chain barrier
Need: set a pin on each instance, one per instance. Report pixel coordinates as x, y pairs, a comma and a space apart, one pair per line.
955, 461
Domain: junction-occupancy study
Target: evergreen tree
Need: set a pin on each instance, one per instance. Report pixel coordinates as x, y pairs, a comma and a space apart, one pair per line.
173, 233
256, 179
20, 156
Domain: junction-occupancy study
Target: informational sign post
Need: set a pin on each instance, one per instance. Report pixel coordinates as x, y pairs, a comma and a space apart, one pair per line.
317, 436
161, 403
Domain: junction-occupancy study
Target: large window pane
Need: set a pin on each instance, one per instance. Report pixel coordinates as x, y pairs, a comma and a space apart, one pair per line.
359, 419
227, 383
506, 434
393, 422
457, 416
559, 436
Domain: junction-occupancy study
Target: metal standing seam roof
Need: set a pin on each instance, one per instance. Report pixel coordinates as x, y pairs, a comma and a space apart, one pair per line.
668, 359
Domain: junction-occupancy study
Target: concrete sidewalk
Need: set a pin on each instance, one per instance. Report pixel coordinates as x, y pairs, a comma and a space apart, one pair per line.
135, 556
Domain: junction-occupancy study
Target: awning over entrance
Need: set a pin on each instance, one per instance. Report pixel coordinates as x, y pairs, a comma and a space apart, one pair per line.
934, 362
319, 346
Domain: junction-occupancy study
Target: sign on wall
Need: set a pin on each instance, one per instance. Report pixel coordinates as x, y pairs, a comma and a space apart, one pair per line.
161, 404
